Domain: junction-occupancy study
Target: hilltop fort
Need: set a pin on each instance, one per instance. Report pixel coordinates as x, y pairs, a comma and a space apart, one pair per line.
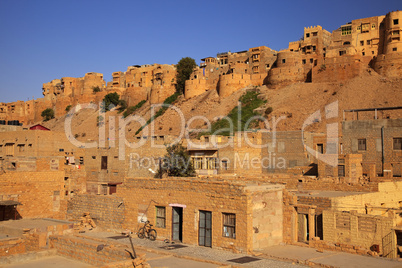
301, 146
372, 44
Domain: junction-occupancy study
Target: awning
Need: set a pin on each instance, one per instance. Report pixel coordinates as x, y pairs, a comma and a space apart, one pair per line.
114, 183
9, 203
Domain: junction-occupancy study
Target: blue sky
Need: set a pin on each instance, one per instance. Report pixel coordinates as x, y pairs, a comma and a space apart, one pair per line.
45, 40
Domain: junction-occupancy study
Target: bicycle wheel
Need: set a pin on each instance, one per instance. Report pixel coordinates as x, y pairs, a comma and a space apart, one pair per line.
152, 234
141, 233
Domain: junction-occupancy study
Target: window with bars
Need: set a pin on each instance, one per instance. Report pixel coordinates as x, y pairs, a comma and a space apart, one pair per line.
160, 217
212, 163
197, 162
365, 27
397, 143
9, 148
361, 143
346, 30
229, 225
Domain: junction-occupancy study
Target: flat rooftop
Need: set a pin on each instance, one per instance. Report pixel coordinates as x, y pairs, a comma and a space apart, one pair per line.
32, 223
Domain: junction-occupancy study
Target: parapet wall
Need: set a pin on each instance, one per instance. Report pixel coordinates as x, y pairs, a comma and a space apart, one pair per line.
228, 84
134, 95
288, 69
159, 93
339, 69
286, 75
107, 211
86, 250
196, 87
389, 65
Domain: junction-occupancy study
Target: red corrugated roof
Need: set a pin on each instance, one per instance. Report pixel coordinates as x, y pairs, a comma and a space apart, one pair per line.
38, 127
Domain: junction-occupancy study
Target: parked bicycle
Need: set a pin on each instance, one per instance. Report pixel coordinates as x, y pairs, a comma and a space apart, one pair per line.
147, 231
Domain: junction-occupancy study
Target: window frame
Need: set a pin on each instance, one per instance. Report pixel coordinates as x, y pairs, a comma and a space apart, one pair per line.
159, 217
229, 225
224, 164
399, 144
360, 143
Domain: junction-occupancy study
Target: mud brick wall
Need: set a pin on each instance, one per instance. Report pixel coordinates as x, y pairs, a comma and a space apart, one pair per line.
327, 184
305, 183
86, 250
371, 131
322, 203
324, 245
19, 245
285, 150
355, 229
108, 211
40, 193
11, 246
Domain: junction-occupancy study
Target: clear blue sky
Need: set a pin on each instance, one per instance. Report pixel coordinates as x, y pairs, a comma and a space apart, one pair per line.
45, 40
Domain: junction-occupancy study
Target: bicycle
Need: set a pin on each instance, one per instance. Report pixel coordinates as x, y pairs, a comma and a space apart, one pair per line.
148, 231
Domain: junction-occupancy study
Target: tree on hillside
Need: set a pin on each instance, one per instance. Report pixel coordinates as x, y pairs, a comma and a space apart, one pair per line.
47, 114
184, 69
176, 163
109, 101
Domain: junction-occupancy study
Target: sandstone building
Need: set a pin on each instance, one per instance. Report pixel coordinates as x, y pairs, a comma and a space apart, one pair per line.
254, 189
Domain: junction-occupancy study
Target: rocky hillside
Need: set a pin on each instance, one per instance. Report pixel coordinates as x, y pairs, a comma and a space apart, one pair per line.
295, 102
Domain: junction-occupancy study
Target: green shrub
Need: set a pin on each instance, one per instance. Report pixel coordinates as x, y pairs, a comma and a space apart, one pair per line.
130, 110
47, 114
109, 101
122, 105
176, 163
168, 101
96, 89
249, 102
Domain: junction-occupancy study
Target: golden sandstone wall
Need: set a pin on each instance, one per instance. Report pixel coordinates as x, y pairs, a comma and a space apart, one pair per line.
230, 83
40, 193
258, 224
288, 69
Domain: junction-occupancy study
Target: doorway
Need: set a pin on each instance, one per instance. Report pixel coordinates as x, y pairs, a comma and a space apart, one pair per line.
177, 224
205, 229
319, 227
104, 162
399, 243
302, 228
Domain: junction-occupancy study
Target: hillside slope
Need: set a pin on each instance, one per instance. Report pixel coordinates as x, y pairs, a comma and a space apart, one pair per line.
296, 102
